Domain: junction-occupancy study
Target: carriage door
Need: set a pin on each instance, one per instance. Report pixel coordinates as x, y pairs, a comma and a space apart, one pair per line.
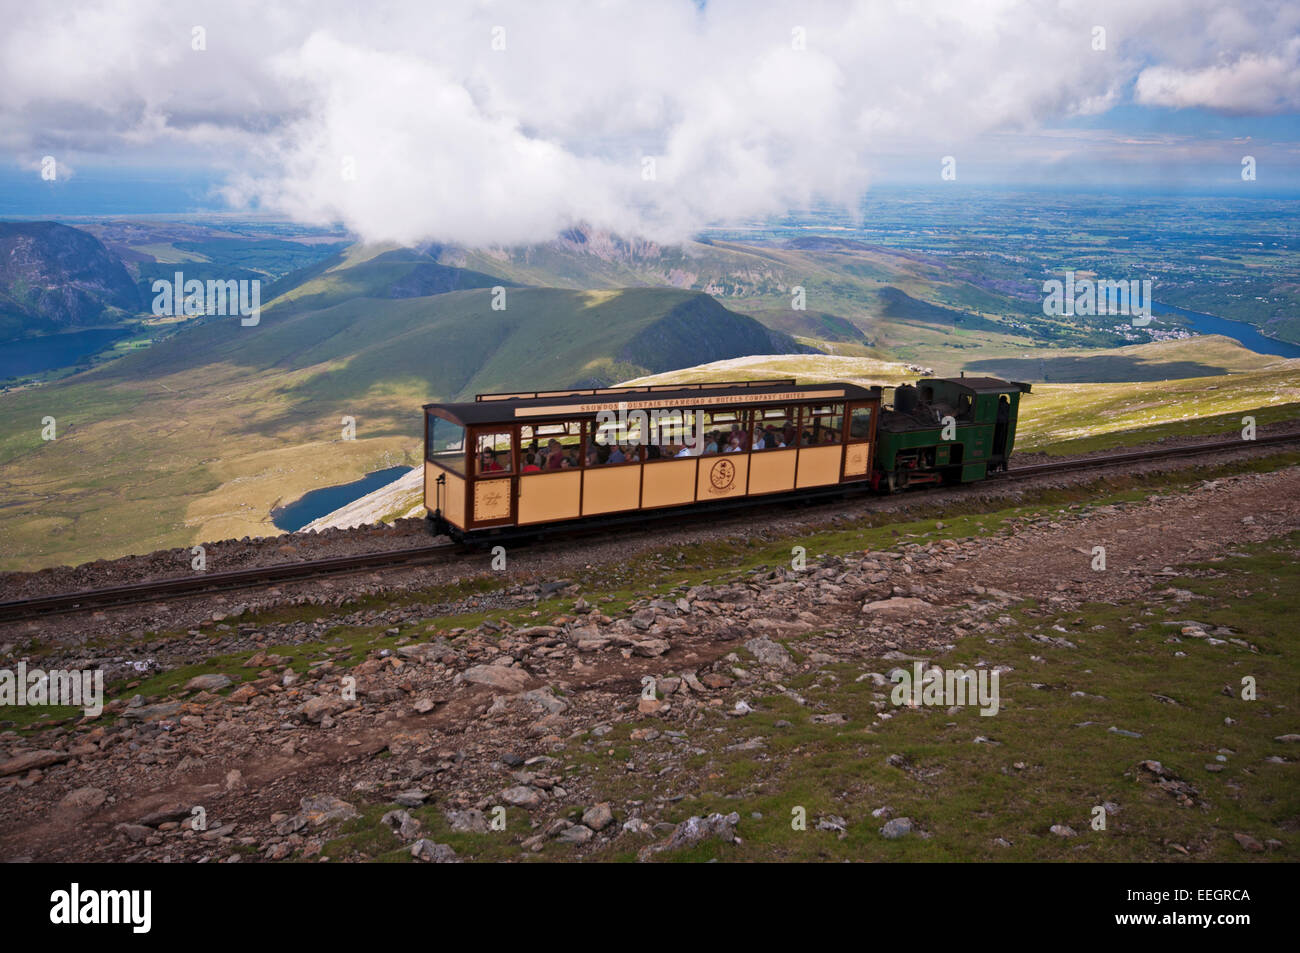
1002, 425
496, 469
859, 441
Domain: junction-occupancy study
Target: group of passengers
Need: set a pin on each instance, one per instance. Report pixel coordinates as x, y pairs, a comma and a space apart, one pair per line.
773, 437
556, 456
553, 456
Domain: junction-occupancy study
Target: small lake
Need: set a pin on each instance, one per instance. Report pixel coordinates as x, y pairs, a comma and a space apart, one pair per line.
1244, 334
33, 355
318, 503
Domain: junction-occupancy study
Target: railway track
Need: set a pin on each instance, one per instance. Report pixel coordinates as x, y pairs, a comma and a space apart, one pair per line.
201, 584
1142, 456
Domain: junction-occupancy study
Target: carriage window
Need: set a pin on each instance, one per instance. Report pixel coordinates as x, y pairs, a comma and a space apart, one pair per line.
965, 407
671, 434
774, 428
722, 431
822, 424
445, 443
860, 424
548, 447
492, 454
618, 440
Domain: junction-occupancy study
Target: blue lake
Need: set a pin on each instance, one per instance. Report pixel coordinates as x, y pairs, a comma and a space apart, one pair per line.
1244, 334
318, 503
33, 355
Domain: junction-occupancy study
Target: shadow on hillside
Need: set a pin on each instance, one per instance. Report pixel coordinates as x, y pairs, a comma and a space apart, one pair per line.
900, 306
1102, 369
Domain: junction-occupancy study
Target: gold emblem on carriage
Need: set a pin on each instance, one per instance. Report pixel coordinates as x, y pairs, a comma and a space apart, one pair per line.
491, 499
855, 459
722, 475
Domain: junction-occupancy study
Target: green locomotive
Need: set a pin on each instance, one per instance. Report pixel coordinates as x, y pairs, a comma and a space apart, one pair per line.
946, 430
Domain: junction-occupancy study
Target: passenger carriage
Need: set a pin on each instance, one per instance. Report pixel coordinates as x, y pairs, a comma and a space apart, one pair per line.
510, 463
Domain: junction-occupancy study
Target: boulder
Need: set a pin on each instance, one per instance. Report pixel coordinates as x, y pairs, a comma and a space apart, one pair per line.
897, 608
321, 808
651, 648
83, 800
31, 759
173, 812
209, 683
153, 712
404, 825
318, 707
577, 834
769, 653
467, 822
521, 795
430, 853
693, 830
896, 828
598, 816
511, 680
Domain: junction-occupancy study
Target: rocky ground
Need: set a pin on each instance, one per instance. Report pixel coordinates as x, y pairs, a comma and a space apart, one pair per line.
421, 726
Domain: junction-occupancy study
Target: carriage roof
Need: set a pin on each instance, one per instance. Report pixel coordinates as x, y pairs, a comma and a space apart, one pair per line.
980, 385
583, 403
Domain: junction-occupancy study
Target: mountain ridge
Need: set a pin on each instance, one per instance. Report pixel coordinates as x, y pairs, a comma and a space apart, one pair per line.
57, 278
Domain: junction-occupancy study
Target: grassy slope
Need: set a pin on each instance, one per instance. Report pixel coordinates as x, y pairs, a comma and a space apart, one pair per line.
908, 303
806, 368
1202, 356
1077, 418
1208, 355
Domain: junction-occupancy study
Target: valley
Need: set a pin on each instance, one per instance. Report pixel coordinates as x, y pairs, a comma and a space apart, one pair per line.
199, 428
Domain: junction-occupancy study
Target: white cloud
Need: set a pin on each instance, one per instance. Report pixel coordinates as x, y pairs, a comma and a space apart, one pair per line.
1252, 84
452, 140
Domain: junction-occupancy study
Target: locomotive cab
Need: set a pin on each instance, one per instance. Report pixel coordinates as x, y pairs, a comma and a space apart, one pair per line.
947, 430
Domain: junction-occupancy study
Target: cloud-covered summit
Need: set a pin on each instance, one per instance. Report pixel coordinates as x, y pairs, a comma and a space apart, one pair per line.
504, 122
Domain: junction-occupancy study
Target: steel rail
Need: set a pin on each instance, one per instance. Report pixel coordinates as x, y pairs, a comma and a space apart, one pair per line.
203, 583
